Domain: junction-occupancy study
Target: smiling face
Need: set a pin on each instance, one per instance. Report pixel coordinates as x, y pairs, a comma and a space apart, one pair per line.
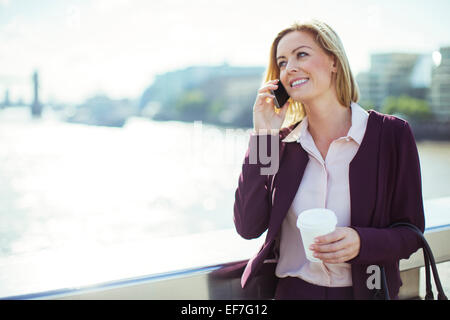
306, 71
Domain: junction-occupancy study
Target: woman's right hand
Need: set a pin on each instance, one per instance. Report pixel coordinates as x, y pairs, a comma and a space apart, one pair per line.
264, 115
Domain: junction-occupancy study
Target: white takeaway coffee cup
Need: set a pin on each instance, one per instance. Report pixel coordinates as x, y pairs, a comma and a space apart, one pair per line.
313, 223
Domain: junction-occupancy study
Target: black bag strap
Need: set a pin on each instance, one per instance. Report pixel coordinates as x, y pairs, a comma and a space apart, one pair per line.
429, 262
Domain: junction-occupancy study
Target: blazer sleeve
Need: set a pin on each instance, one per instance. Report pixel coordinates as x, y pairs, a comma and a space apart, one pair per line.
252, 203
385, 245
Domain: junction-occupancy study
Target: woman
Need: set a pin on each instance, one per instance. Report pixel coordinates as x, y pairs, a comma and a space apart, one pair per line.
332, 154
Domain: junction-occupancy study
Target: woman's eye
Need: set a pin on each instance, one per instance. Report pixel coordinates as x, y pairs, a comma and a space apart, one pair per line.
299, 55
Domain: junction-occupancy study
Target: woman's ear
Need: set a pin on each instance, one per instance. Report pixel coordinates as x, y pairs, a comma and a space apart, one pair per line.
334, 67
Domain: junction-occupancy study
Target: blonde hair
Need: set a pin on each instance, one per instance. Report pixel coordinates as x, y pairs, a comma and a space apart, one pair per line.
346, 87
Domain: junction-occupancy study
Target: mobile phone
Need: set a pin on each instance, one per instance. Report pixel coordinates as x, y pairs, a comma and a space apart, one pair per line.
281, 95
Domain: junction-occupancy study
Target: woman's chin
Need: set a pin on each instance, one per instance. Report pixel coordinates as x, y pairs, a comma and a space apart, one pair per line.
301, 98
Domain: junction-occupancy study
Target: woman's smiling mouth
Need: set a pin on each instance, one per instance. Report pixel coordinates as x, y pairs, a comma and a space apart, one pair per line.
298, 82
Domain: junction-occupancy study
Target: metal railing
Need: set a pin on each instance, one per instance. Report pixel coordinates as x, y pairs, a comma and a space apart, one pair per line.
202, 284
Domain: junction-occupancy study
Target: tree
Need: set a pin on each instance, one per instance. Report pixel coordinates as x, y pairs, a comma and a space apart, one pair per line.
412, 108
366, 104
191, 105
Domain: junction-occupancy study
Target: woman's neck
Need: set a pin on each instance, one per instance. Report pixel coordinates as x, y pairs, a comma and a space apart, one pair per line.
328, 121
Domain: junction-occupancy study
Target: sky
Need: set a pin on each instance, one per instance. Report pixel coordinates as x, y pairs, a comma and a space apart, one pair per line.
116, 47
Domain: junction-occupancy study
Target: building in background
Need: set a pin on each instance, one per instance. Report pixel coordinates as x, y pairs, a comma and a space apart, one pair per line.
100, 110
440, 85
218, 94
6, 102
395, 74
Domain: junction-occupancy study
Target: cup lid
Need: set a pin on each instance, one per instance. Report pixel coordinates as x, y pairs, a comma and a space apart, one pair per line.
313, 218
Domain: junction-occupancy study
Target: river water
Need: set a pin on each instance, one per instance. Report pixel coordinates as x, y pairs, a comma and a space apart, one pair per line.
62, 184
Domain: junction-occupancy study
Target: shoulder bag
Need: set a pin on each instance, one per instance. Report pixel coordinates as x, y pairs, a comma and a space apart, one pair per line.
383, 293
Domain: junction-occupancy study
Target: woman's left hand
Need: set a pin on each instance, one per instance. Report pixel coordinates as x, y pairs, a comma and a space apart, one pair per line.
339, 246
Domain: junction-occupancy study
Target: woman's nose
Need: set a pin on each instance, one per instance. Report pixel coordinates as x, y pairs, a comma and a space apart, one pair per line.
292, 67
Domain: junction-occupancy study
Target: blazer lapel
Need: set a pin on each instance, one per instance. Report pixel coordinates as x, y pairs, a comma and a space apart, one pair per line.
363, 172
286, 183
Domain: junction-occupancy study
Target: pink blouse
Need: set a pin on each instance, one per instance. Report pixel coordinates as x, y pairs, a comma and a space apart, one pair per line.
325, 184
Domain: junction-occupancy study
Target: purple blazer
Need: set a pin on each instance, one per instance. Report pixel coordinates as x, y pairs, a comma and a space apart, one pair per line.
385, 187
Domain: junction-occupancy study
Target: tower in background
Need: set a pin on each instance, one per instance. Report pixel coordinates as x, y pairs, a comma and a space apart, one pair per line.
36, 106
